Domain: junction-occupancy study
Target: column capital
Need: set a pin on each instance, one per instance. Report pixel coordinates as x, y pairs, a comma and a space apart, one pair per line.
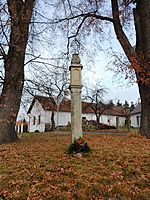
75, 62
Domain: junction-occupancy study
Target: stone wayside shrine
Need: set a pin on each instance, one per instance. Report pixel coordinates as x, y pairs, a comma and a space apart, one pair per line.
75, 87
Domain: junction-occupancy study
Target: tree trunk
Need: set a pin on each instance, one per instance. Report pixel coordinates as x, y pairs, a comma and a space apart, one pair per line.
145, 107
9, 107
10, 98
142, 18
97, 119
52, 121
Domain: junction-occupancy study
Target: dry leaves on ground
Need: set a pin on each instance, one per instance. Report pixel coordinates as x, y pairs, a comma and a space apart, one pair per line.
37, 168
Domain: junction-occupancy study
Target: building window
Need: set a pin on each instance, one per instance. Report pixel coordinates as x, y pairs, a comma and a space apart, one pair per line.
138, 120
39, 119
33, 120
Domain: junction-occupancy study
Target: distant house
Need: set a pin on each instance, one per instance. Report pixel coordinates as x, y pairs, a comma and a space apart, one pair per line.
40, 113
136, 116
21, 126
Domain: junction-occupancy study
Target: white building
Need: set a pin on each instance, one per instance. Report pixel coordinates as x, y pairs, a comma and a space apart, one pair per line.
136, 116
40, 113
22, 126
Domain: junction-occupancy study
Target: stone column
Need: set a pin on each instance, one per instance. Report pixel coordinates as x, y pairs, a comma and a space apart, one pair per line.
75, 87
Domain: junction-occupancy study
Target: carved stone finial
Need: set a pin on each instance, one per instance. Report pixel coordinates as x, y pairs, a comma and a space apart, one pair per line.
75, 59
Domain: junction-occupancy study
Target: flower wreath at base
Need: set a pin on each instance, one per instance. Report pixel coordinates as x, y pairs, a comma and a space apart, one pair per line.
78, 146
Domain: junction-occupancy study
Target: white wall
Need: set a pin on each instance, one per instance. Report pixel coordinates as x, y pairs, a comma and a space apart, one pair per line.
104, 119
89, 116
135, 120
37, 111
111, 120
63, 118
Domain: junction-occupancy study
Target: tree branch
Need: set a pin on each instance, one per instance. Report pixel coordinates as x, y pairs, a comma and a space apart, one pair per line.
128, 49
89, 14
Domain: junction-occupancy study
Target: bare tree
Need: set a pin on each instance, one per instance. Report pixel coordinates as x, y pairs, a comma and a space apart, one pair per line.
83, 17
15, 36
95, 96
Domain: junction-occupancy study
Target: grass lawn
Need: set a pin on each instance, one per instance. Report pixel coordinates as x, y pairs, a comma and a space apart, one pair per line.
37, 168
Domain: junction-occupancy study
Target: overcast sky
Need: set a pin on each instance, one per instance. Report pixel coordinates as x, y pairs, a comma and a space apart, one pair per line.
116, 91
118, 86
